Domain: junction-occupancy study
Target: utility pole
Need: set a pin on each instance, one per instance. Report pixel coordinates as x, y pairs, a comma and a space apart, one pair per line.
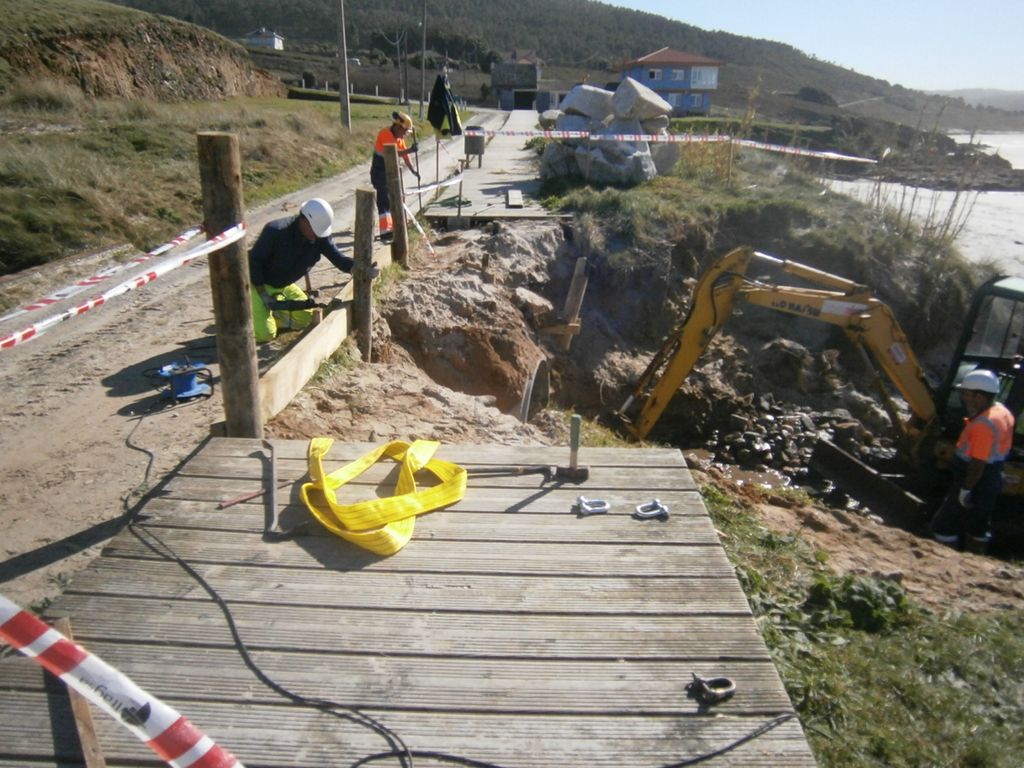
346, 112
397, 42
423, 60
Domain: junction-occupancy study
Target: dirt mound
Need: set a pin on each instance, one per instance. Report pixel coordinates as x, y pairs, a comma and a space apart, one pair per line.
154, 59
456, 346
931, 573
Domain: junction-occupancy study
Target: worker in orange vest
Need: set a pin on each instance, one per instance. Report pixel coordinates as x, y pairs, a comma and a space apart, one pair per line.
984, 443
401, 125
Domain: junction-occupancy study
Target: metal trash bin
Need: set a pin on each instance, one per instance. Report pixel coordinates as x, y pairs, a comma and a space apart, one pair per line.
474, 142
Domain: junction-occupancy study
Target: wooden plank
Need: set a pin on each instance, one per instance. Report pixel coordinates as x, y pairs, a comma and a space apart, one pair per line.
227, 482
462, 453
408, 633
255, 463
304, 738
84, 725
514, 594
526, 559
279, 385
544, 505
196, 494
462, 523
516, 685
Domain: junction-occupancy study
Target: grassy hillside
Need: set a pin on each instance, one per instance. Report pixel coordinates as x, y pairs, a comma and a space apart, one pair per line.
589, 38
80, 173
49, 17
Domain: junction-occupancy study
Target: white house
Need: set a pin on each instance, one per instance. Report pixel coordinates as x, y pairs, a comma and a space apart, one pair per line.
264, 38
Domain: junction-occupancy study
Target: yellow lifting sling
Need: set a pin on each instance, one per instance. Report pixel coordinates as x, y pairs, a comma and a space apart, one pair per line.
382, 525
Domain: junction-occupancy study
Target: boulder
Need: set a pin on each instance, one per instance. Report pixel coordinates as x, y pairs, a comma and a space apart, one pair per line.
665, 155
549, 118
558, 160
588, 100
620, 125
628, 170
633, 100
573, 123
656, 124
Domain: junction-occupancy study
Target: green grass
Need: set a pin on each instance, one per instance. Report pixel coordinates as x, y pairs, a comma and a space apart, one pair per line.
79, 173
23, 19
875, 679
716, 200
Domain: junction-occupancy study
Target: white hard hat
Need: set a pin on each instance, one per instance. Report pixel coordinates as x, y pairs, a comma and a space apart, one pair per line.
981, 381
319, 214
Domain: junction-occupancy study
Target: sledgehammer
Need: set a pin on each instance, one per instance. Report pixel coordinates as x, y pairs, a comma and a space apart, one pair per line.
573, 472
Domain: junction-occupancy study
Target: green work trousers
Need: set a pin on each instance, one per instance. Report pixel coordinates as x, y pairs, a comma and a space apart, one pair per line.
266, 324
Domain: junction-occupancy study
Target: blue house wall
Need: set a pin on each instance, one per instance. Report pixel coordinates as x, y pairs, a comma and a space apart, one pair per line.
676, 89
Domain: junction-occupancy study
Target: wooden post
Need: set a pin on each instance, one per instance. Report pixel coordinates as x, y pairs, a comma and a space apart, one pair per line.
362, 250
574, 300
92, 752
400, 245
220, 174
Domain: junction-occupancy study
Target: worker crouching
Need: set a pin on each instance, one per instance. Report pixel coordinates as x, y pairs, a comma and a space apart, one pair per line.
285, 251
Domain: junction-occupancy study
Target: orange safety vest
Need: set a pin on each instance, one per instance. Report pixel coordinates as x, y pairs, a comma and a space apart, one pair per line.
988, 436
386, 137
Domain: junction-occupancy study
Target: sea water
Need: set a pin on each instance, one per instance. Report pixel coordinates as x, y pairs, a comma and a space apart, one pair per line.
992, 229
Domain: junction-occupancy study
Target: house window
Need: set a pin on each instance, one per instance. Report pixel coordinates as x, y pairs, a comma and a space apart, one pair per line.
697, 100
704, 77
679, 74
654, 74
675, 99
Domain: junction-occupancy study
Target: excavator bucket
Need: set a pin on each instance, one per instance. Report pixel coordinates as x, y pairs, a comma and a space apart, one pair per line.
869, 486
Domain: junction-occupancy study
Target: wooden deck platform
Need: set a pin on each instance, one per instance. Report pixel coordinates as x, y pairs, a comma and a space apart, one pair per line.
503, 183
509, 631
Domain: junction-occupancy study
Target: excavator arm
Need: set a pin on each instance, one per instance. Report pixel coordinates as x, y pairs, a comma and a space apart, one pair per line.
867, 322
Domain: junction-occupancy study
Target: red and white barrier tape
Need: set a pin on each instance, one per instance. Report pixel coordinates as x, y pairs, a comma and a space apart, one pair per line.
100, 277
680, 138
816, 153
228, 236
162, 728
436, 185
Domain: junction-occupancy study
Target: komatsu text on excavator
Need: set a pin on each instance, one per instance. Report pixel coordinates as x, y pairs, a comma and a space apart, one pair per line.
993, 338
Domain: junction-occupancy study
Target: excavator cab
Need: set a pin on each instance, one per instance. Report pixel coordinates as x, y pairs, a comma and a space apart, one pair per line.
993, 338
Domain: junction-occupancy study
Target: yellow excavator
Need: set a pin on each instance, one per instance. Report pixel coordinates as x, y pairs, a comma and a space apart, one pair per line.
993, 338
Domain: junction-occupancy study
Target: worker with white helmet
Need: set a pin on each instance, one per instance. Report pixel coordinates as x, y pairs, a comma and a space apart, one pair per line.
984, 443
401, 125
284, 252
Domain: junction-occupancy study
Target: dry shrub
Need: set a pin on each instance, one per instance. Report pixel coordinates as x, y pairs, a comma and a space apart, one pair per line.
43, 95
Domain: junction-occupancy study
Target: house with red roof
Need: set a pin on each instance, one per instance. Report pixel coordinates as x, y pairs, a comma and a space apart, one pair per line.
684, 80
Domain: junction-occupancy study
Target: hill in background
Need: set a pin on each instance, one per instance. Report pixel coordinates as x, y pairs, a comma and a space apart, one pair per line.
1010, 101
111, 52
584, 39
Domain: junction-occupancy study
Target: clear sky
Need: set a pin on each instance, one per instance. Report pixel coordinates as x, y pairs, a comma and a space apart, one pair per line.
930, 45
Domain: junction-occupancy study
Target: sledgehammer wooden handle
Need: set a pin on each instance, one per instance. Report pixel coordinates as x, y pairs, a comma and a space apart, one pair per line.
574, 439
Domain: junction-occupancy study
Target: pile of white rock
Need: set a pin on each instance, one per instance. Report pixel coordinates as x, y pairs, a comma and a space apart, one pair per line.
631, 109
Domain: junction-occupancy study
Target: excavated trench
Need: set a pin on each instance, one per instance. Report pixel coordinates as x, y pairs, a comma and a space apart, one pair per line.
479, 320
